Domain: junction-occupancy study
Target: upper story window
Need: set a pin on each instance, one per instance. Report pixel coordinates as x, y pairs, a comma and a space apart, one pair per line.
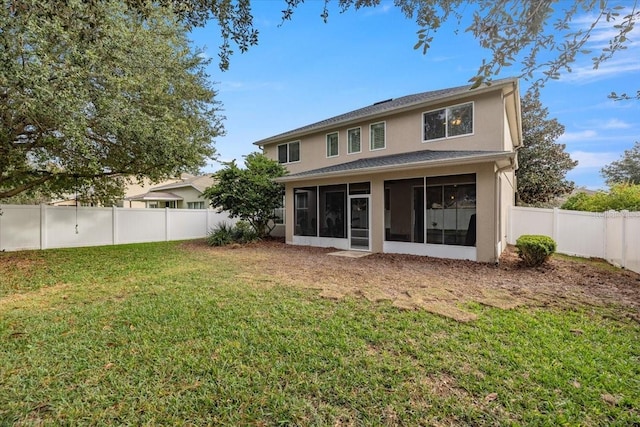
289, 153
353, 141
448, 122
378, 141
332, 144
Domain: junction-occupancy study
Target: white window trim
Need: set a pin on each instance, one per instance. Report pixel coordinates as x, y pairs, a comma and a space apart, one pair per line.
288, 153
371, 139
446, 128
327, 144
349, 141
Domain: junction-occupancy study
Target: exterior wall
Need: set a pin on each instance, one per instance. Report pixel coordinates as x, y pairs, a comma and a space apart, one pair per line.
486, 225
404, 134
507, 201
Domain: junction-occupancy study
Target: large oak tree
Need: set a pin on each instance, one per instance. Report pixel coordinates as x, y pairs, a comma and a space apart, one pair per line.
93, 94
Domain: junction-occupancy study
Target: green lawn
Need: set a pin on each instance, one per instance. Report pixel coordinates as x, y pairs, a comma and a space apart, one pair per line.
153, 334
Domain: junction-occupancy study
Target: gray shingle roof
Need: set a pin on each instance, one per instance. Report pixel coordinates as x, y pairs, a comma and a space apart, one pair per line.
383, 107
200, 183
416, 157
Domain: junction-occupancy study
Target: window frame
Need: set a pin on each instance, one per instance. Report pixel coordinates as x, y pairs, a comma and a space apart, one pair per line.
371, 139
349, 150
328, 141
446, 127
288, 144
192, 205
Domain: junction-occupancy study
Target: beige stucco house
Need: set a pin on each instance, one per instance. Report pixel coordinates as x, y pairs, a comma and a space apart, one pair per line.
185, 193
428, 174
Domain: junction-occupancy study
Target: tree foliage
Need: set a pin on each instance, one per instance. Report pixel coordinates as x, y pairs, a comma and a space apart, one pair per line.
250, 194
541, 35
625, 170
542, 163
619, 197
92, 95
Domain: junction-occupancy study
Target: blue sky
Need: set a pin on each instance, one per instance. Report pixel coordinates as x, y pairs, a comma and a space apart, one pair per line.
305, 71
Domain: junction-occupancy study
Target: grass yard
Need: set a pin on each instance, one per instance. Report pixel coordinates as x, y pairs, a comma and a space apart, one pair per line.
182, 334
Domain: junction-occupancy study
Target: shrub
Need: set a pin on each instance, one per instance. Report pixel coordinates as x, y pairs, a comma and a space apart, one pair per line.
620, 197
220, 235
535, 249
224, 234
243, 232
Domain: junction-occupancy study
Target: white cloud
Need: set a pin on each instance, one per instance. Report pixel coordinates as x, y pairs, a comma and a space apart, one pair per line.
577, 136
379, 10
593, 160
623, 61
616, 124
587, 74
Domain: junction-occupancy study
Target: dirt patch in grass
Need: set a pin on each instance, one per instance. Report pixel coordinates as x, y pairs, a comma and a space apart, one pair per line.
441, 286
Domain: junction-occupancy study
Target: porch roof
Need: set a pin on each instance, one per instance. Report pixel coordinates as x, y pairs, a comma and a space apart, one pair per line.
404, 161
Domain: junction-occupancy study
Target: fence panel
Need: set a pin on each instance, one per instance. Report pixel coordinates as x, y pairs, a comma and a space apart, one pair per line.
580, 233
19, 227
632, 232
187, 224
529, 221
94, 227
140, 225
615, 231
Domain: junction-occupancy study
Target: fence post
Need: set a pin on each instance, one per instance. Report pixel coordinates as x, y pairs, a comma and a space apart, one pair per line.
623, 261
605, 238
510, 225
43, 226
554, 229
114, 225
166, 224
1, 212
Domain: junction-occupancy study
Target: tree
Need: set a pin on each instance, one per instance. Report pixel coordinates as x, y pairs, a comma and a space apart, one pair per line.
543, 164
625, 170
92, 95
250, 194
542, 35
619, 197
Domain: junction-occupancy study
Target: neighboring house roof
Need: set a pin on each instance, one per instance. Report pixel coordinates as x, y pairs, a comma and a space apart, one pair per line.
200, 183
389, 106
160, 193
155, 196
404, 160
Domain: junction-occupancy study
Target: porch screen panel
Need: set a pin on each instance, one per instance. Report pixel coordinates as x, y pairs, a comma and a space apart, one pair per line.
305, 211
404, 210
333, 208
451, 210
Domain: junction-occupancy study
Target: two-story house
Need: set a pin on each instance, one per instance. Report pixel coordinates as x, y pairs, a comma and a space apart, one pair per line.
427, 174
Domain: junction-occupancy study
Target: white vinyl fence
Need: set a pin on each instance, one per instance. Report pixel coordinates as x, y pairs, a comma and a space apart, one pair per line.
44, 227
613, 236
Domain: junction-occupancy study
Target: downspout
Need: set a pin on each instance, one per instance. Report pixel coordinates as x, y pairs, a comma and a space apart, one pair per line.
511, 166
